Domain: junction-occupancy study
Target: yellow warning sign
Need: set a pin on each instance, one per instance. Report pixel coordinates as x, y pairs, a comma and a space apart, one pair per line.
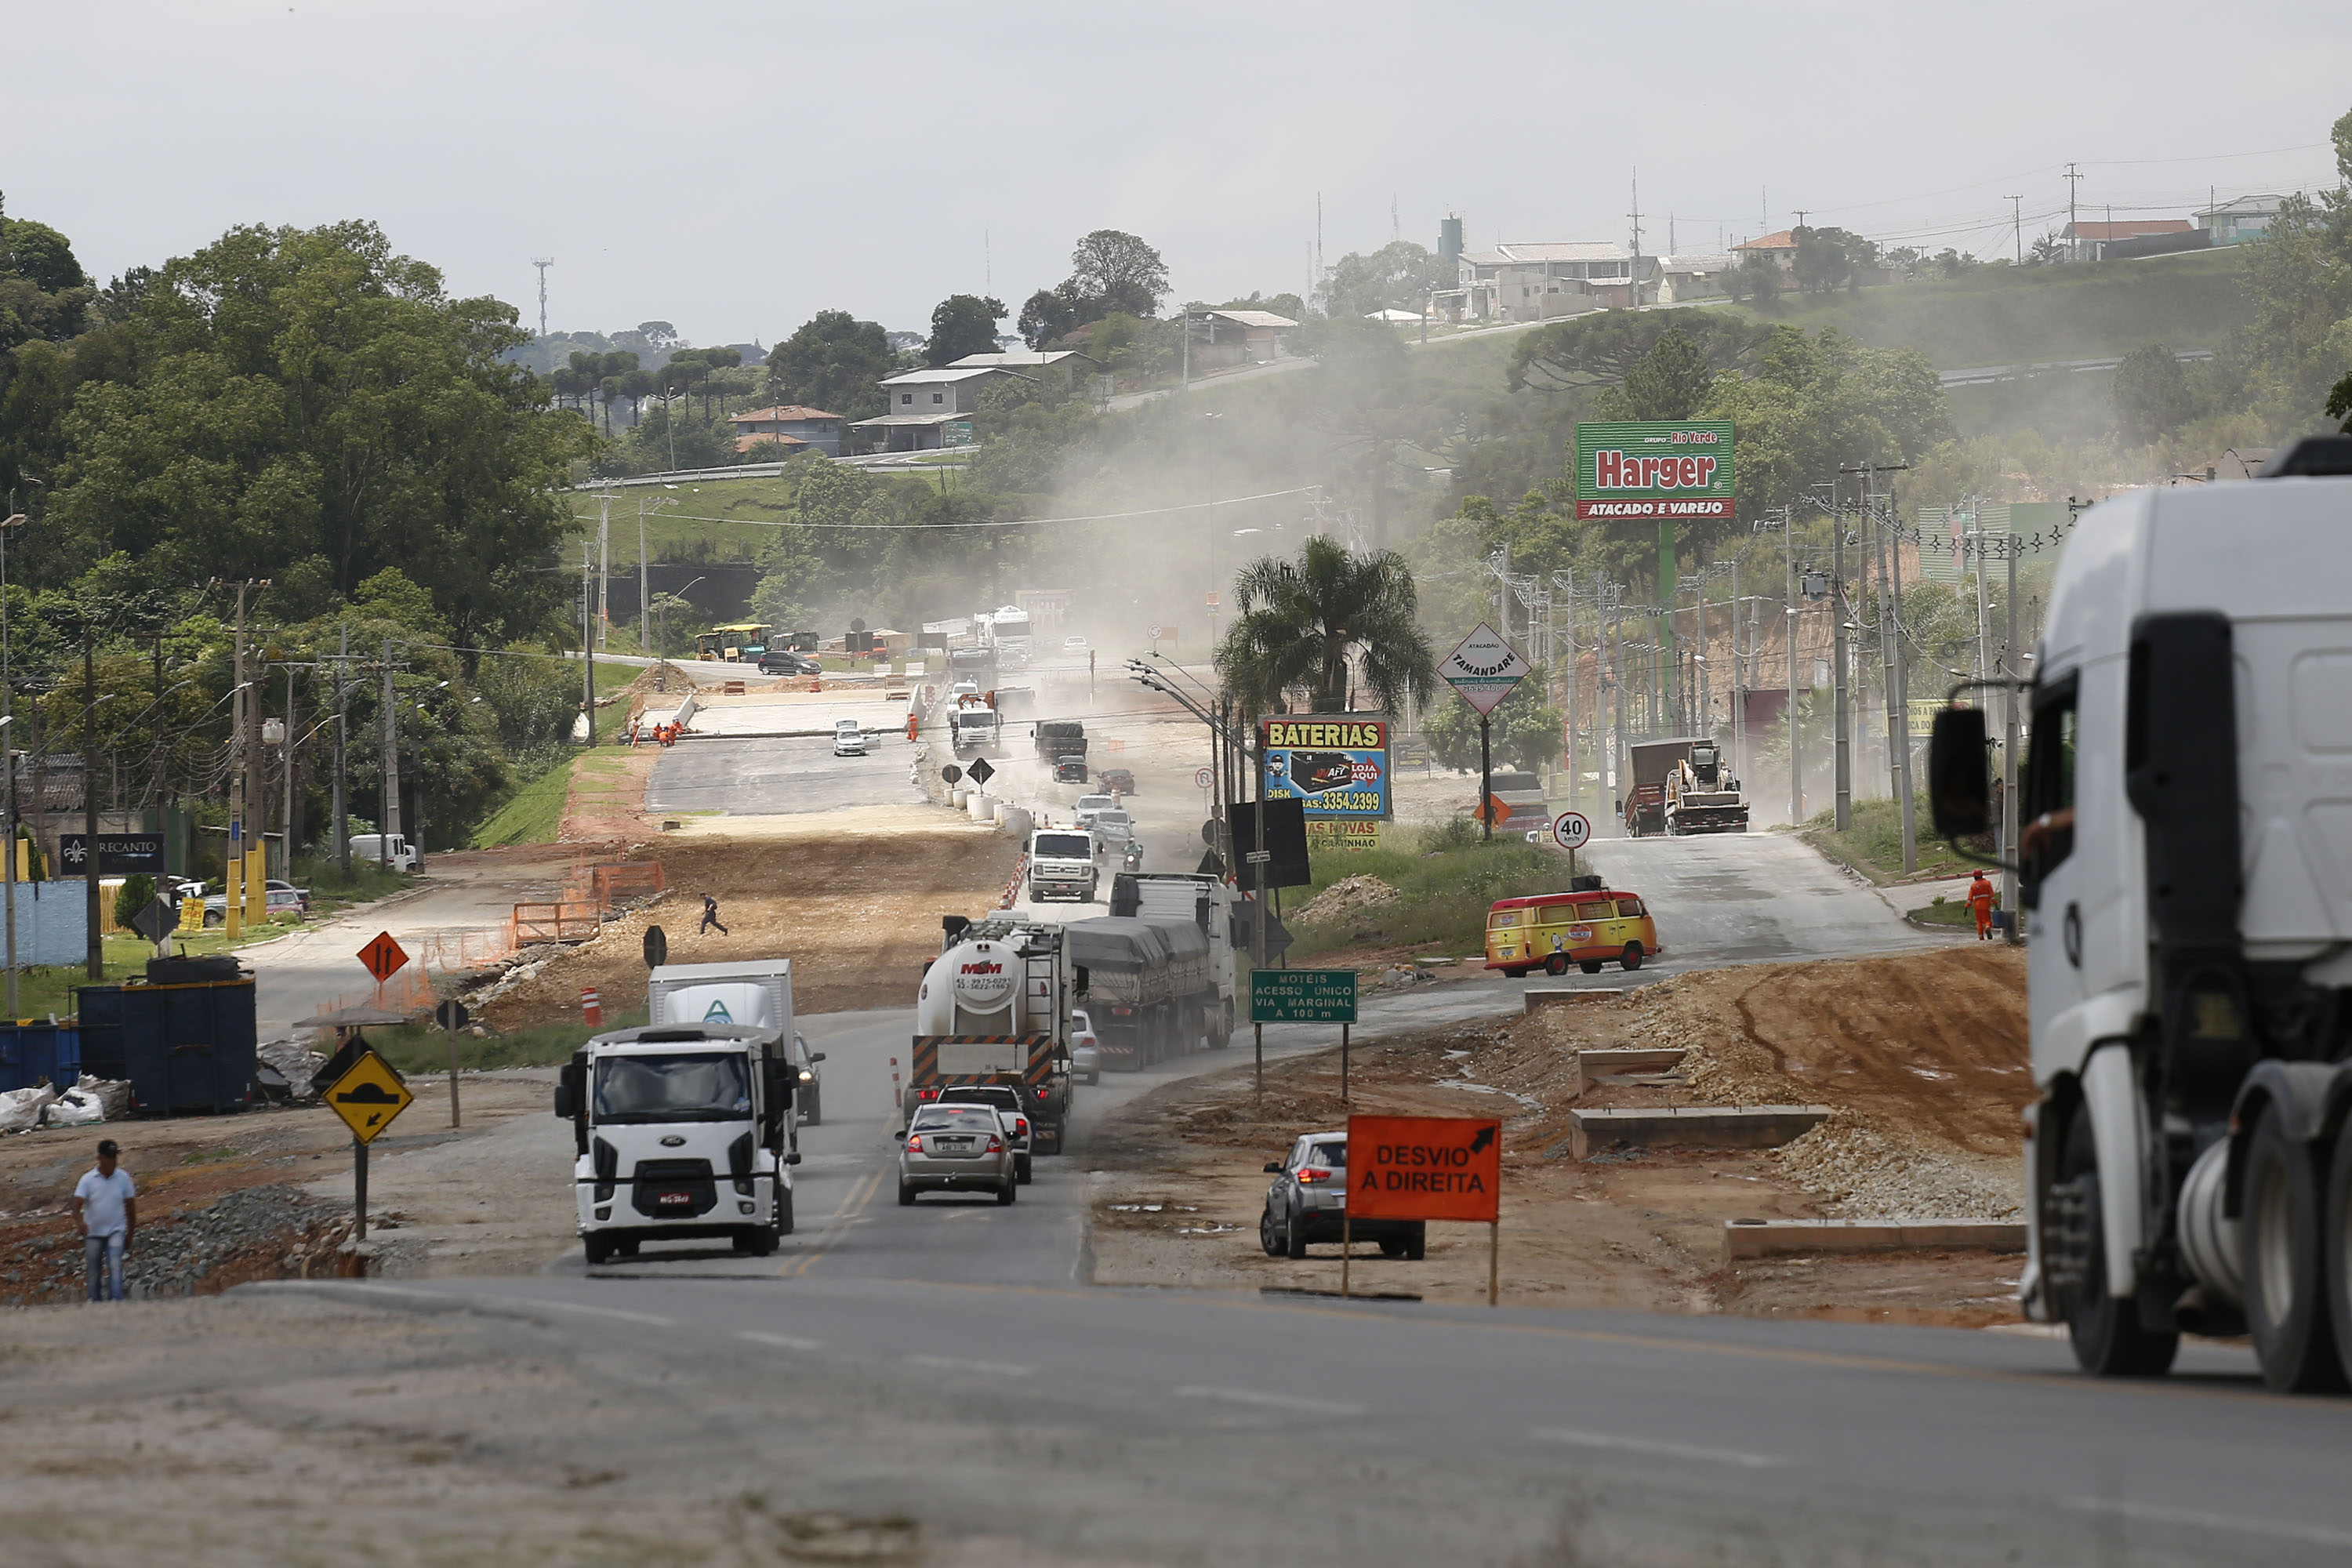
369, 1096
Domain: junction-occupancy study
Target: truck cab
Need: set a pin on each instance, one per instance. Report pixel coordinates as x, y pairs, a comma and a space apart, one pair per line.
681, 1131
1062, 864
2186, 866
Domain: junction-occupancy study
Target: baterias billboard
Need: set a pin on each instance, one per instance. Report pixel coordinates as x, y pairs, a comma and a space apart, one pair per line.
1336, 765
1653, 470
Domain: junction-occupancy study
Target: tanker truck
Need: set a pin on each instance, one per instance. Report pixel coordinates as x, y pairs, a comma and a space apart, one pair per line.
2182, 864
994, 1008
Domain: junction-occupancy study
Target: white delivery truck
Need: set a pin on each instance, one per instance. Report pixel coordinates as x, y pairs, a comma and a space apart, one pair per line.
2187, 861
1062, 864
757, 992
681, 1131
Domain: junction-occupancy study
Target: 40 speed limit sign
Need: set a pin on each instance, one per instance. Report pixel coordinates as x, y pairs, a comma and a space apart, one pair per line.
1572, 830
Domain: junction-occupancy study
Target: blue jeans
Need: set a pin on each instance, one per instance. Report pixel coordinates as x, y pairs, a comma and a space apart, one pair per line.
103, 1254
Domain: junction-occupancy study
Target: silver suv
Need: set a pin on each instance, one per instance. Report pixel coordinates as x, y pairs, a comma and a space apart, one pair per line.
1007, 1101
1308, 1202
957, 1148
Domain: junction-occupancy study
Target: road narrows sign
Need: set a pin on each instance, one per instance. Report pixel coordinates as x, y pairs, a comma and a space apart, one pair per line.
1424, 1167
368, 1096
980, 772
384, 957
1485, 668
1572, 830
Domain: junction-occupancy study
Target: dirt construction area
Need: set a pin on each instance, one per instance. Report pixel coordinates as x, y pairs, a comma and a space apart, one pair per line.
854, 897
1921, 1058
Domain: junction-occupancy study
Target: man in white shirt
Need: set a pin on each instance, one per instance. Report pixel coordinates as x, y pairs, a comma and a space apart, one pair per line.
106, 1208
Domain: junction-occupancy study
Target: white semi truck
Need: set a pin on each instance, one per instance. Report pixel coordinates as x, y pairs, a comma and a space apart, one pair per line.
994, 1008
681, 1131
2186, 859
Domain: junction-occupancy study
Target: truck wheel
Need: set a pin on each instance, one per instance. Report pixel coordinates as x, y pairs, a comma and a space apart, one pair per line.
1590, 965
1021, 1170
784, 1212
813, 1102
760, 1241
599, 1247
1007, 1193
2108, 1339
1632, 957
1556, 964
2278, 1228
1294, 1238
906, 1196
2336, 1255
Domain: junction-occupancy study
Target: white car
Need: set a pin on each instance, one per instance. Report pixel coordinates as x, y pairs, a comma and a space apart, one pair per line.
1089, 805
1074, 645
1112, 828
1086, 1053
848, 739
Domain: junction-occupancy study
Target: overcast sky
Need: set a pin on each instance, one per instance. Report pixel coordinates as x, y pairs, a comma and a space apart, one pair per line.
733, 168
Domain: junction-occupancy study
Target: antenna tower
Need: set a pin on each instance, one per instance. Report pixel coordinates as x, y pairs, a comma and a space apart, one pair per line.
543, 263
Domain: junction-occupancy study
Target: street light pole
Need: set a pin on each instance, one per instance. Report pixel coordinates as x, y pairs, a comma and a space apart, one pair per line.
8, 753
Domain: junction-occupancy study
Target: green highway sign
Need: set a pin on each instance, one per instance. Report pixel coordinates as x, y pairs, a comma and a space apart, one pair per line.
1659, 470
1302, 996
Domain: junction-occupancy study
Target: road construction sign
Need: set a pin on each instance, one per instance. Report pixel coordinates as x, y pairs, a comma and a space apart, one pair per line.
1424, 1167
384, 957
1494, 812
368, 1096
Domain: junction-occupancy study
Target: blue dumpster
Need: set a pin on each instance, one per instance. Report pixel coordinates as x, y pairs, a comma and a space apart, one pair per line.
183, 1048
31, 1052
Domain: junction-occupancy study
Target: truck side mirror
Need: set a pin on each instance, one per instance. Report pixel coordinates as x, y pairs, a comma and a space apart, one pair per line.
563, 1102
816, 1056
1959, 780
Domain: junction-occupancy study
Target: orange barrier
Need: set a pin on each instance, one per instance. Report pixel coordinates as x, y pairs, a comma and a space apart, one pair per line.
562, 921
615, 881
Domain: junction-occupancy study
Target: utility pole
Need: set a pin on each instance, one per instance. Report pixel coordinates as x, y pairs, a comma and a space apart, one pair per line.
587, 640
390, 826
286, 821
604, 564
1789, 631
8, 753
2017, 227
2074, 251
96, 941
233, 887
342, 806
2008, 754
1842, 698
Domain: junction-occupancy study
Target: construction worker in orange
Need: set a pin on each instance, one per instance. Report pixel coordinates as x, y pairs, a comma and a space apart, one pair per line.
910, 724
1980, 900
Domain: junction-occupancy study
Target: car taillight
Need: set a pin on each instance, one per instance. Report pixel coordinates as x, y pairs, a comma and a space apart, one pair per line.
1021, 1126
1310, 1175
915, 1145
996, 1146
927, 1094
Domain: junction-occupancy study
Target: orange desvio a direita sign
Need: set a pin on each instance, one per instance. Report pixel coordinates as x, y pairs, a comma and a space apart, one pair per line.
1424, 1167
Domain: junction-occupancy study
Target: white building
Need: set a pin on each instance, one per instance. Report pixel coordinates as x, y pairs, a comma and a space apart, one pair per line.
1535, 282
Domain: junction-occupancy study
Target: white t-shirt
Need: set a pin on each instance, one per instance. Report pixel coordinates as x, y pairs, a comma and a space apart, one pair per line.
102, 1200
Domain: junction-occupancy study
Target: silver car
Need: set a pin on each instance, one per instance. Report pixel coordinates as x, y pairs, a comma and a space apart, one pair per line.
957, 1148
1308, 1202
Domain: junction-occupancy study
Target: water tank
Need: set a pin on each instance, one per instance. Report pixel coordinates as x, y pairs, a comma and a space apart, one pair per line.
1449, 239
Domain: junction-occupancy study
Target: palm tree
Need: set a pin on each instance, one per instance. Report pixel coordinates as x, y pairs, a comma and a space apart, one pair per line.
1298, 623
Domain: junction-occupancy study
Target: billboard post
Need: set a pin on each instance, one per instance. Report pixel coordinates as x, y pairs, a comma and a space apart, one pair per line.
1669, 471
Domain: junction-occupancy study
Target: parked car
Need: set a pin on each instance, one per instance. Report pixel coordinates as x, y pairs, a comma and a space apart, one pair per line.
277, 899
784, 661
1086, 1049
1120, 780
1308, 1202
1009, 1111
848, 739
302, 894
807, 1096
956, 1148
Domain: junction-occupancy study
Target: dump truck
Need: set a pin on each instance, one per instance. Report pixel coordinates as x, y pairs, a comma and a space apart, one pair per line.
1059, 738
994, 1008
1702, 797
1643, 804
2181, 864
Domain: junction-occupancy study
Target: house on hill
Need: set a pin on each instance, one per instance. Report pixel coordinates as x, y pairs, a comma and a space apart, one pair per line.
791, 425
1051, 367
1779, 249
2234, 223
2113, 240
1538, 281
929, 409
1237, 337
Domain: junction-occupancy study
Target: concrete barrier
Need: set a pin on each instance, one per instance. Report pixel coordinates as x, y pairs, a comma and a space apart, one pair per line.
1591, 1066
1785, 1238
1554, 996
1690, 1126
982, 808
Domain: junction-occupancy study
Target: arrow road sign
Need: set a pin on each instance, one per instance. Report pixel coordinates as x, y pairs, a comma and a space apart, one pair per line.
384, 957
1485, 668
368, 1096
980, 772
1572, 830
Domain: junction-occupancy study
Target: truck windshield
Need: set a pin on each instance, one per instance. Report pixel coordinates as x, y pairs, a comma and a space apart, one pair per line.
1064, 846
690, 1087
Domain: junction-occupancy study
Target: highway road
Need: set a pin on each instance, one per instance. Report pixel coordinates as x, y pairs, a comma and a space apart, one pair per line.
779, 776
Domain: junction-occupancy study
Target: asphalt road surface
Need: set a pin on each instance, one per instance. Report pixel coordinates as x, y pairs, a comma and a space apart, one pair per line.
779, 776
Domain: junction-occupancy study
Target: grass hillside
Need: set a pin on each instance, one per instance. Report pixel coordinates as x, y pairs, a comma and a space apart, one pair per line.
2035, 314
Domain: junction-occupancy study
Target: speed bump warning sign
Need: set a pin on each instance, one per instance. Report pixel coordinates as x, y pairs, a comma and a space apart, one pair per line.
1424, 1167
369, 1096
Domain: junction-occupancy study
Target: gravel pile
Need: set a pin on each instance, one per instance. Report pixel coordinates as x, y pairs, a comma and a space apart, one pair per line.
1347, 897
255, 1225
293, 1061
1867, 1173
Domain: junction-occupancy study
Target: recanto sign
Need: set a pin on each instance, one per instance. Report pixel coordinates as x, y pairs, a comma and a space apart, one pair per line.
1654, 470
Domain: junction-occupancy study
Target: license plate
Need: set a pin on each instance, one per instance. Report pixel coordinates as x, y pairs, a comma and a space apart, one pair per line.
673, 1200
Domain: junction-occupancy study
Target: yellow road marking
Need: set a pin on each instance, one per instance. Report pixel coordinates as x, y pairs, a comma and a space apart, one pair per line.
860, 1194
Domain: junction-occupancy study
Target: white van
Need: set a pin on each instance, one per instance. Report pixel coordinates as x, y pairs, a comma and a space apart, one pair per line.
370, 847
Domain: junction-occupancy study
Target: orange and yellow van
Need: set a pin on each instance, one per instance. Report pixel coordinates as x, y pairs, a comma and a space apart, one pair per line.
1551, 931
